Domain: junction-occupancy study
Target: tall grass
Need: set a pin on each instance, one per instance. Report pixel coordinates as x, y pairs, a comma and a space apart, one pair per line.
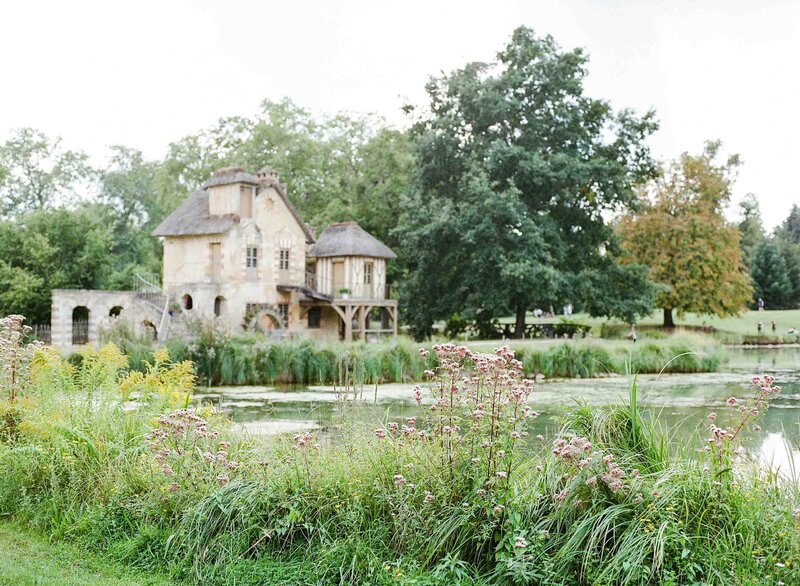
221, 359
106, 457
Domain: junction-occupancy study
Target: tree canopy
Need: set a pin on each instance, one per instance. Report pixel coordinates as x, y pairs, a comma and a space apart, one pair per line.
680, 232
37, 173
516, 170
751, 228
770, 276
51, 249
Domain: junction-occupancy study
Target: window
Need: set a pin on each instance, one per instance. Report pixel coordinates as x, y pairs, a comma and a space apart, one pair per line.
284, 260
368, 273
252, 257
283, 310
219, 306
80, 325
115, 311
314, 317
187, 301
245, 201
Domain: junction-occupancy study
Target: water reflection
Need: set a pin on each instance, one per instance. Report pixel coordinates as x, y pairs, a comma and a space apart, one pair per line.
677, 402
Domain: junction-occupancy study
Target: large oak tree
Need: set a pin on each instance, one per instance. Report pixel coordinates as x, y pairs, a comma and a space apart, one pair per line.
516, 171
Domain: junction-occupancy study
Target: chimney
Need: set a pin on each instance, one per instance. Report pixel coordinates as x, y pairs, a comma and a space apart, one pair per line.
267, 176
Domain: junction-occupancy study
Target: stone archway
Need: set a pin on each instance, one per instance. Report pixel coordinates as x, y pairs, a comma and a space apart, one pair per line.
263, 318
80, 325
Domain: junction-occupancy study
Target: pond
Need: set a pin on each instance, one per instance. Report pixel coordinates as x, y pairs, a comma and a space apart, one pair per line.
679, 402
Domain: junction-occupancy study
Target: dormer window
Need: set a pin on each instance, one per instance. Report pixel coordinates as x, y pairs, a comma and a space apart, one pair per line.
283, 263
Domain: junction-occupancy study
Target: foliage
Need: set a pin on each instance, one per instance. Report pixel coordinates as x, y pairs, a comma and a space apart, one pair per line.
589, 359
770, 276
789, 230
337, 168
222, 359
680, 232
50, 249
622, 292
516, 169
751, 228
36, 173
453, 497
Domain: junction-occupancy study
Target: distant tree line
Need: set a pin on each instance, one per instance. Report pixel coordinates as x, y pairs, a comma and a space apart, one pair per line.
511, 190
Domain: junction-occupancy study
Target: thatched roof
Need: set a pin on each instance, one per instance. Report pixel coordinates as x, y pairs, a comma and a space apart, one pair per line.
349, 239
192, 218
230, 175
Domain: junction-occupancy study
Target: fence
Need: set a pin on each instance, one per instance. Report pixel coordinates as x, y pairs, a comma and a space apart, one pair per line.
42, 333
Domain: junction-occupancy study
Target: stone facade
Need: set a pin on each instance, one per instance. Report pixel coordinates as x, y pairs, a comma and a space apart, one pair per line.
78, 315
238, 252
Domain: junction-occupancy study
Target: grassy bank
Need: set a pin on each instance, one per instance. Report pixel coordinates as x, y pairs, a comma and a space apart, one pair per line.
740, 329
221, 359
461, 496
28, 559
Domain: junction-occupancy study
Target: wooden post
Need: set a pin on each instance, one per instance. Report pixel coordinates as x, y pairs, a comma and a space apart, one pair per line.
362, 323
348, 323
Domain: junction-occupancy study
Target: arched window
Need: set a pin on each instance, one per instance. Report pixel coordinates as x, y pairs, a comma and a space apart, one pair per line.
80, 325
219, 306
187, 302
115, 311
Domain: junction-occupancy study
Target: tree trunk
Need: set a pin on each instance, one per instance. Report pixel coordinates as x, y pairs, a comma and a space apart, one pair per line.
668, 322
519, 326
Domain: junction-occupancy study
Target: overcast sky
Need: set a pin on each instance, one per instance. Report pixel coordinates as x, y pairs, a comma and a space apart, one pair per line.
146, 73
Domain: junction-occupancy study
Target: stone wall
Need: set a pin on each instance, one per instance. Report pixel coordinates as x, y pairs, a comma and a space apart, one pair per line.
100, 305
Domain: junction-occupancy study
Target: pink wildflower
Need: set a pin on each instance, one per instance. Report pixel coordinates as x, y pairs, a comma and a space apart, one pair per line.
520, 543
731, 401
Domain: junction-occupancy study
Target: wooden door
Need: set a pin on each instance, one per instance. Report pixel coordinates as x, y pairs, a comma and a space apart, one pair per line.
338, 277
216, 262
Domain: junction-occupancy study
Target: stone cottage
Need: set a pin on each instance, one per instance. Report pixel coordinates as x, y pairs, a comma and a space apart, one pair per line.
239, 252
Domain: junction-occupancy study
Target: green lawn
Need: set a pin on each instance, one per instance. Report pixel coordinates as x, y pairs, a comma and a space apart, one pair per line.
27, 558
745, 323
